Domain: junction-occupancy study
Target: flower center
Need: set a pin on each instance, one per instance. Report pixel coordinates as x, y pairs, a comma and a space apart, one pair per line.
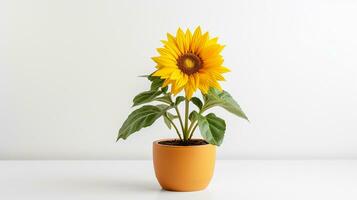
189, 63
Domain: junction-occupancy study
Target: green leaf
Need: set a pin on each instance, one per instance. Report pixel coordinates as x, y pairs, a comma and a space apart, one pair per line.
145, 97
156, 82
163, 107
193, 116
151, 78
224, 100
197, 102
164, 90
212, 128
167, 121
179, 99
140, 118
166, 99
171, 116
167, 117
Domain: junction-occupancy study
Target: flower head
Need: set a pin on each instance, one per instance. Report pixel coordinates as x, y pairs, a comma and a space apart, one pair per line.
189, 62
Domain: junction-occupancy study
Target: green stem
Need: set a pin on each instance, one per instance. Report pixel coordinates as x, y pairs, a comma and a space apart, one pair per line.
174, 125
187, 107
178, 114
193, 130
180, 119
191, 126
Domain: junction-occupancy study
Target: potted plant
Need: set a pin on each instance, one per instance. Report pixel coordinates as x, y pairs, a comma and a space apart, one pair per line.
187, 63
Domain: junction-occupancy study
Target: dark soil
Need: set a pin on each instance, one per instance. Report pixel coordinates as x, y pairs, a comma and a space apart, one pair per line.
194, 142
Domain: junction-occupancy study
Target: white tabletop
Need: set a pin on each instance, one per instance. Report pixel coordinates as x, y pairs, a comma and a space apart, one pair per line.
242, 180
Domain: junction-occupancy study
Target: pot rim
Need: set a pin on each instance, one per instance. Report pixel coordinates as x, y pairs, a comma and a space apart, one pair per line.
156, 143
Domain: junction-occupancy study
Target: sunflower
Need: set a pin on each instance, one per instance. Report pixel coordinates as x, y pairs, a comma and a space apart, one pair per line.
190, 62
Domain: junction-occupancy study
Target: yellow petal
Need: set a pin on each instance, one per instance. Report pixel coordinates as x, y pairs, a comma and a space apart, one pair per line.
190, 87
187, 43
195, 39
213, 62
193, 82
180, 38
164, 61
218, 76
216, 85
175, 89
172, 44
210, 51
197, 79
167, 53
188, 93
202, 42
164, 72
212, 41
176, 75
204, 87
183, 81
166, 82
223, 69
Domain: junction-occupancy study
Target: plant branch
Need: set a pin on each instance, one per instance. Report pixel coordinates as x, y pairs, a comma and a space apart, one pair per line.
178, 114
193, 130
174, 125
187, 107
193, 125
180, 119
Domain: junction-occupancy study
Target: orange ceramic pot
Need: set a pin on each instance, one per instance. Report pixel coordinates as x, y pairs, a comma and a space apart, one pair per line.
183, 168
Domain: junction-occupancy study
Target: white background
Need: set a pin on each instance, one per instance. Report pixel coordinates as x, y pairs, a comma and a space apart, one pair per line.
68, 73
